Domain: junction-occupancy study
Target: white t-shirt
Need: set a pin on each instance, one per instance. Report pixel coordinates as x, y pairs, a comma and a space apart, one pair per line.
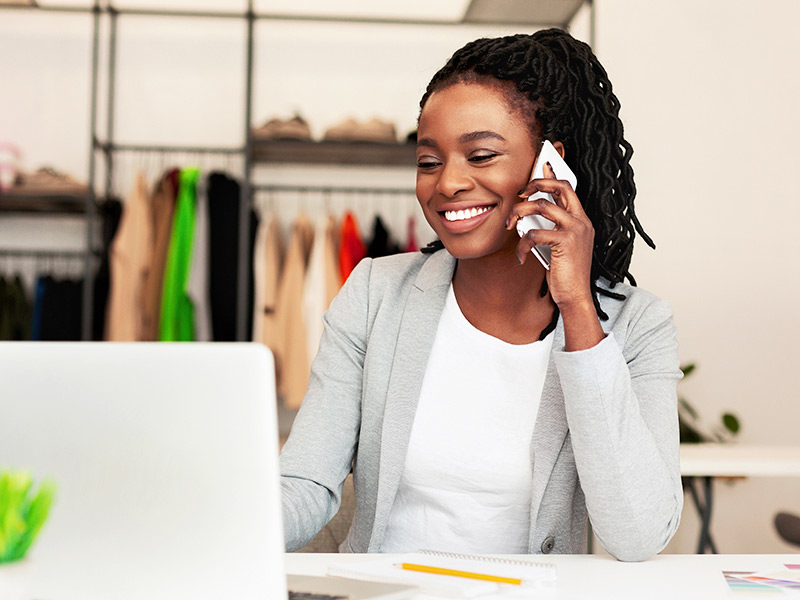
466, 484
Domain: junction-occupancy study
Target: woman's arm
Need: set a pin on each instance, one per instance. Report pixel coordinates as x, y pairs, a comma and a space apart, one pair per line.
319, 452
621, 407
620, 403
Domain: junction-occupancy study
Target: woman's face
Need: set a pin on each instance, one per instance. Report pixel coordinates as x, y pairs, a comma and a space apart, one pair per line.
474, 153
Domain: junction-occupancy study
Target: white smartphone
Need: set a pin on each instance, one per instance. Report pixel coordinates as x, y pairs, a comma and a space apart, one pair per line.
547, 154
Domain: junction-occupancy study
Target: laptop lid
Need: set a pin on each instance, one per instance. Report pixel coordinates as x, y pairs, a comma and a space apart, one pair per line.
165, 461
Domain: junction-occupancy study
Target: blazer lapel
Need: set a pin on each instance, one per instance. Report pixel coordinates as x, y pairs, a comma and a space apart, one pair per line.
550, 430
415, 338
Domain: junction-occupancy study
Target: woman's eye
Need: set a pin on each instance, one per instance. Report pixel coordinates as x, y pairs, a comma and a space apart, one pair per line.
482, 157
427, 164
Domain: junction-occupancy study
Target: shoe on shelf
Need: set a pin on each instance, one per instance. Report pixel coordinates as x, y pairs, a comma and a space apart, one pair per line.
284, 129
47, 181
9, 165
373, 131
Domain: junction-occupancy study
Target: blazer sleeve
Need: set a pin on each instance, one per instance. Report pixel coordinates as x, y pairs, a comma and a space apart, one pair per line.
621, 406
318, 455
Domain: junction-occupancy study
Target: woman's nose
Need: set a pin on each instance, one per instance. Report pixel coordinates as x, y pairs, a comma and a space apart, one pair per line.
453, 178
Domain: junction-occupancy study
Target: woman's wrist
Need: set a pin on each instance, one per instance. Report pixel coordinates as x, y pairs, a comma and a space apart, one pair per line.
582, 329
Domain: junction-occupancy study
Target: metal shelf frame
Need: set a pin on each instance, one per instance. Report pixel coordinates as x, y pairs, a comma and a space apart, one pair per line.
109, 146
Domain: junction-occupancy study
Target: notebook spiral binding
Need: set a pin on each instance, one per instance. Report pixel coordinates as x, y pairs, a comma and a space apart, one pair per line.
492, 559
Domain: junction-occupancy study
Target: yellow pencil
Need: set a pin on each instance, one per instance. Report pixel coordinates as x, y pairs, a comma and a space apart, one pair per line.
455, 573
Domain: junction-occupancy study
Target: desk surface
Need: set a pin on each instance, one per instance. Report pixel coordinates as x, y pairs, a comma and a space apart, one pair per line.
740, 460
668, 576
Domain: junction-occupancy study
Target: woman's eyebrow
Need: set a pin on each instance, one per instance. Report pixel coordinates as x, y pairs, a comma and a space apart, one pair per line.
430, 142
464, 138
479, 135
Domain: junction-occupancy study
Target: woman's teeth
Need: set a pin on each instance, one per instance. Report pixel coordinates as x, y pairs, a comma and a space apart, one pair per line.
460, 215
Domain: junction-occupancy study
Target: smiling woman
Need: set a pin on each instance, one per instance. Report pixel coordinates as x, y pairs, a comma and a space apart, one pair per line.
484, 403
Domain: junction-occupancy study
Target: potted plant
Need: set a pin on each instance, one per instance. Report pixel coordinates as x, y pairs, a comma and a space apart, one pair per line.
23, 511
692, 428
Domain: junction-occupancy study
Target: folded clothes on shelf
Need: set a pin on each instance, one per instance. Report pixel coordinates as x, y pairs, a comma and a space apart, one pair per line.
374, 130
295, 128
47, 180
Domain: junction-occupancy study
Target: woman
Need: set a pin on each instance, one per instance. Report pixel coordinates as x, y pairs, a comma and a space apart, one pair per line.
484, 403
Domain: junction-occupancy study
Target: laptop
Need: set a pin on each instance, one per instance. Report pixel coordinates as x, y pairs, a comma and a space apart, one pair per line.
165, 461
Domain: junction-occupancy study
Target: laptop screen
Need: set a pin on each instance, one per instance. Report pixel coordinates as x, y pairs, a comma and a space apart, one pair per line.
165, 462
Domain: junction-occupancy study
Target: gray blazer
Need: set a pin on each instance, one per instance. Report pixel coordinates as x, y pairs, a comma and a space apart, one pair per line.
605, 442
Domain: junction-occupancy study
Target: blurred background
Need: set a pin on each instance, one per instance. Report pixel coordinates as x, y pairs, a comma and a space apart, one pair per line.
709, 96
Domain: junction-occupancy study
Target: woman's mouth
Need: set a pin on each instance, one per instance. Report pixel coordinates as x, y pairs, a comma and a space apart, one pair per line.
468, 213
463, 219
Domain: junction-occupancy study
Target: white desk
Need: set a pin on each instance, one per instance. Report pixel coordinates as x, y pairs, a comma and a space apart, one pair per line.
739, 460
707, 461
669, 576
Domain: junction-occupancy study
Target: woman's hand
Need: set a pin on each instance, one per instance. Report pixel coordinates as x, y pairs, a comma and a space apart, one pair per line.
571, 241
571, 244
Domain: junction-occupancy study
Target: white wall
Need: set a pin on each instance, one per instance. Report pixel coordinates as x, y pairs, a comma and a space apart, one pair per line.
708, 92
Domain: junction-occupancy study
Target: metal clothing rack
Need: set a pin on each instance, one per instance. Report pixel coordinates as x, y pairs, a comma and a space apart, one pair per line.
109, 146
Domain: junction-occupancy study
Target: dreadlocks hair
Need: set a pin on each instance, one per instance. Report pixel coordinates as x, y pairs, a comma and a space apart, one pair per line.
565, 95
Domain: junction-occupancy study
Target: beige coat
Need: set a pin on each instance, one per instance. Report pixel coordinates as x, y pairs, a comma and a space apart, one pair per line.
291, 352
130, 258
163, 208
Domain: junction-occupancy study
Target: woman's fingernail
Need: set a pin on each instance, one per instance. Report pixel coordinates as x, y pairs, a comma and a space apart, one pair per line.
549, 166
522, 191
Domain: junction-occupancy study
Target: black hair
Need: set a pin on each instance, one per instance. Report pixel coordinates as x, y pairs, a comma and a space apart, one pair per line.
568, 90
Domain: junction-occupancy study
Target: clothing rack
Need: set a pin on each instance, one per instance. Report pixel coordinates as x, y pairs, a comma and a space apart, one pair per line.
331, 189
109, 146
25, 253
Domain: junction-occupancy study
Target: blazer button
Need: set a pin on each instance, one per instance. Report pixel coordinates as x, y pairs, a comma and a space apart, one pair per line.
548, 544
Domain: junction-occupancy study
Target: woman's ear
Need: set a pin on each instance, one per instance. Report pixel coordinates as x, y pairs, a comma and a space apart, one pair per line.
559, 148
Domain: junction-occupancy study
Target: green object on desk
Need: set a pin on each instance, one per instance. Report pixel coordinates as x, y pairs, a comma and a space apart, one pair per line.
23, 511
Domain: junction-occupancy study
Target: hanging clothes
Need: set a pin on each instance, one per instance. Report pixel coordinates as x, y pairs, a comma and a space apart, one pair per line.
291, 349
223, 209
177, 311
351, 247
38, 300
413, 245
322, 282
197, 286
381, 243
130, 259
60, 303
267, 257
16, 310
162, 212
110, 214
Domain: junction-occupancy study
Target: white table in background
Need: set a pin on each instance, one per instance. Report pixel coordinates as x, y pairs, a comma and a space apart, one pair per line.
707, 461
581, 576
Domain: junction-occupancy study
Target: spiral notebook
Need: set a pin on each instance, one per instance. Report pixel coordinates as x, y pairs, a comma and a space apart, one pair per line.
532, 574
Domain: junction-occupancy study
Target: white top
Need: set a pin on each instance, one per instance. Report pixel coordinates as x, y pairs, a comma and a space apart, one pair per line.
466, 485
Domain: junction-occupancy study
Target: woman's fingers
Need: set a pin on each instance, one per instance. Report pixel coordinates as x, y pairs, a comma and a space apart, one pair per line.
534, 237
542, 207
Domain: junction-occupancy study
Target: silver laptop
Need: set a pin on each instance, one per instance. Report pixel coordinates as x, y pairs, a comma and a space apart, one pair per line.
165, 461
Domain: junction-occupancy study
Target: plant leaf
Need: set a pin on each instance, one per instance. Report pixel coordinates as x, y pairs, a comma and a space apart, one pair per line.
684, 403
687, 369
731, 423
22, 513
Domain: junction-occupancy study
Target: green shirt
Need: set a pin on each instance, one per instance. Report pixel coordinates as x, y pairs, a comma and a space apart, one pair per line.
177, 311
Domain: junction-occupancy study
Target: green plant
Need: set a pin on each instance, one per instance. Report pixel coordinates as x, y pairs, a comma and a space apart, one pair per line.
692, 428
22, 512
